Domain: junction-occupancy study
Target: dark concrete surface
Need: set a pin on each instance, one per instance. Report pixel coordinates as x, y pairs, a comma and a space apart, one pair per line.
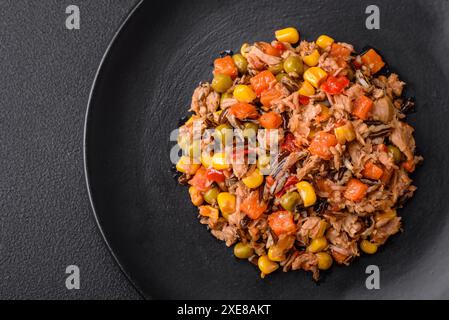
46, 222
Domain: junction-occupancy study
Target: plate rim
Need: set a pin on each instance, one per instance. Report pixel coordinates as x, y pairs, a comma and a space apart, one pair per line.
87, 116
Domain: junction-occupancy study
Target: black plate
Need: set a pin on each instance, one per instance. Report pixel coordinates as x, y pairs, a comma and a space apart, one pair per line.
144, 86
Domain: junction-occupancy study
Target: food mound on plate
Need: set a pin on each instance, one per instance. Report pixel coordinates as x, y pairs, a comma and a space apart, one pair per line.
341, 169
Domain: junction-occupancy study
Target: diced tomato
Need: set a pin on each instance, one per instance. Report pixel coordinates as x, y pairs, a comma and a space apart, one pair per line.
242, 110
321, 143
269, 180
355, 190
227, 66
304, 100
372, 171
362, 107
280, 46
340, 53
291, 180
373, 60
267, 96
281, 222
270, 120
252, 207
261, 81
215, 175
269, 49
289, 143
335, 85
409, 165
200, 180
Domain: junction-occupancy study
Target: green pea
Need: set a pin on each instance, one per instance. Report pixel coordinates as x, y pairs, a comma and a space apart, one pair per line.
250, 129
243, 250
395, 152
293, 64
277, 68
221, 83
210, 196
280, 76
290, 200
240, 62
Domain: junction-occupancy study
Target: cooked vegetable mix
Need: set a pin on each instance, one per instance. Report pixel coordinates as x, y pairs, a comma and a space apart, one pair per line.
329, 190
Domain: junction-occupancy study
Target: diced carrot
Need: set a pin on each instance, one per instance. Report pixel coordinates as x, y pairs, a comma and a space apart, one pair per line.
209, 211
226, 66
242, 110
261, 81
321, 143
270, 120
200, 180
324, 115
252, 207
355, 190
373, 60
281, 222
372, 171
267, 96
409, 165
340, 53
362, 107
269, 49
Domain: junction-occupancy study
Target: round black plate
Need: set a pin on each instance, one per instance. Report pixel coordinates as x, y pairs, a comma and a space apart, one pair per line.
144, 86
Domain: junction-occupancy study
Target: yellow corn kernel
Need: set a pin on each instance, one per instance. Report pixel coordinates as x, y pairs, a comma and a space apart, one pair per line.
266, 266
226, 203
317, 245
195, 196
345, 133
254, 180
191, 119
244, 93
290, 35
386, 215
184, 142
206, 160
273, 254
219, 161
368, 247
324, 260
306, 89
307, 193
187, 165
315, 76
312, 59
322, 226
244, 49
324, 41
243, 250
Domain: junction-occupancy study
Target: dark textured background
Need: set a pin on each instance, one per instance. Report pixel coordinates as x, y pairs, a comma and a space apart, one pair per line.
46, 223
